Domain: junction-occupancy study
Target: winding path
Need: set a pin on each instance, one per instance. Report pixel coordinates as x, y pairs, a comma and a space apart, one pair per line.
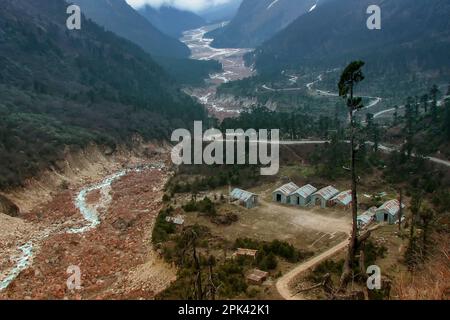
381, 147
282, 284
374, 100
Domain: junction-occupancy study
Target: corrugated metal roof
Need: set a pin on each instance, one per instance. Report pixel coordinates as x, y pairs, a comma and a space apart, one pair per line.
242, 195
364, 219
371, 212
258, 275
345, 197
392, 207
177, 220
328, 192
288, 189
246, 252
306, 191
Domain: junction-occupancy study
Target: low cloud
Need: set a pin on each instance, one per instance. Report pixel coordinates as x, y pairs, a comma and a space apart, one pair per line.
192, 5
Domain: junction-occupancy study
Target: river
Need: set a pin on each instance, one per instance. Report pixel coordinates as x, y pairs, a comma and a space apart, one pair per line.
89, 212
234, 68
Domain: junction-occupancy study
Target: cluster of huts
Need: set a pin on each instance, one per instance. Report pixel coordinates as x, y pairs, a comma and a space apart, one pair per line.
309, 196
329, 196
387, 213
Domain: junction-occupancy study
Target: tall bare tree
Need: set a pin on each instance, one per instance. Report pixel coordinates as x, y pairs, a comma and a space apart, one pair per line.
351, 76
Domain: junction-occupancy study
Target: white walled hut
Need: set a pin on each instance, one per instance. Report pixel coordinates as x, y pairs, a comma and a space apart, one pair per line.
246, 199
366, 218
343, 199
388, 212
283, 193
302, 196
324, 196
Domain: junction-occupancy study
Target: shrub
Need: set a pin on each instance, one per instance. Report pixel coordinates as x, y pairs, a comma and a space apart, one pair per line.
162, 228
267, 262
204, 206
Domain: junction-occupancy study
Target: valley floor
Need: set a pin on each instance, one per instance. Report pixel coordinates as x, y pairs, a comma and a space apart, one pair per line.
234, 68
116, 258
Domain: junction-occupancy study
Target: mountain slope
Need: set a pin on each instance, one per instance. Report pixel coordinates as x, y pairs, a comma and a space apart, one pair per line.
117, 16
69, 88
414, 39
258, 20
170, 20
222, 12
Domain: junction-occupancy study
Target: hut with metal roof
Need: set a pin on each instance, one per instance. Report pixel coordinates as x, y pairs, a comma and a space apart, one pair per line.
388, 212
246, 199
302, 196
283, 193
178, 220
324, 196
343, 199
257, 277
366, 218
243, 252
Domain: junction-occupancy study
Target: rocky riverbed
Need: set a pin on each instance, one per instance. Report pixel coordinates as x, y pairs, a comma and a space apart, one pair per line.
234, 68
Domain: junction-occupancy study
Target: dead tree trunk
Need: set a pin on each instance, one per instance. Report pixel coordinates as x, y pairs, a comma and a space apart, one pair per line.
212, 285
198, 275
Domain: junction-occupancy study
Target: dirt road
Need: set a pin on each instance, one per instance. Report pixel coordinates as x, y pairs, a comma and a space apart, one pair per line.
311, 220
307, 218
283, 283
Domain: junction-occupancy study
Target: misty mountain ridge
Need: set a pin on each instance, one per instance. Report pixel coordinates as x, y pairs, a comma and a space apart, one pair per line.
258, 20
119, 17
70, 88
220, 13
414, 40
172, 21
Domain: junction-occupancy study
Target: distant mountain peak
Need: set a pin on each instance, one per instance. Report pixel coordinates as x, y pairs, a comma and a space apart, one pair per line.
258, 20
119, 17
414, 43
170, 20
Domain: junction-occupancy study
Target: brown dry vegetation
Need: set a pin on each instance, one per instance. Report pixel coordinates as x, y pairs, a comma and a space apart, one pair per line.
432, 280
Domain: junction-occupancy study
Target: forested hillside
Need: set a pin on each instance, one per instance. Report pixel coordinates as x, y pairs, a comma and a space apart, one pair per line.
61, 87
410, 49
258, 20
221, 11
117, 16
424, 126
172, 21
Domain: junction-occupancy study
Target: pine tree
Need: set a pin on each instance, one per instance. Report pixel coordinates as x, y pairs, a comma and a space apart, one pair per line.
446, 124
427, 216
409, 129
351, 76
411, 254
395, 115
434, 96
416, 107
424, 101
